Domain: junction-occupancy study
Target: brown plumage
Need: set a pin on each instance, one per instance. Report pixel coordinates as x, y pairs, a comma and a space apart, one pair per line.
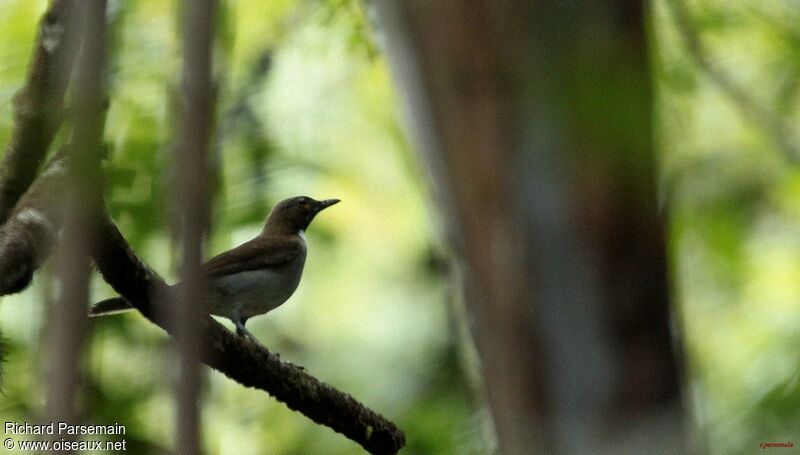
258, 275
260, 252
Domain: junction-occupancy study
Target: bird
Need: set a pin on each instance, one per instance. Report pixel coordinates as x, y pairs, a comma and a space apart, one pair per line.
256, 276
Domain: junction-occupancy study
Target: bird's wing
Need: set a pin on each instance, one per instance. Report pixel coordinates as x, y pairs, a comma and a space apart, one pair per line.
256, 254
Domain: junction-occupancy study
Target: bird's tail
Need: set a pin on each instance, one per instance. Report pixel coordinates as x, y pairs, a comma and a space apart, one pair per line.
110, 306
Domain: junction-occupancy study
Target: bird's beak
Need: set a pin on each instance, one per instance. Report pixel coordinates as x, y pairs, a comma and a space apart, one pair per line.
326, 203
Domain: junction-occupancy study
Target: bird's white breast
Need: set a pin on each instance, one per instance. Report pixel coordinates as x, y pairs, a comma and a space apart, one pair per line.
253, 292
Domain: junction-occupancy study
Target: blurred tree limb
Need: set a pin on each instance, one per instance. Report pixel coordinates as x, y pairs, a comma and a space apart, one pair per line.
38, 105
192, 203
68, 328
29, 234
749, 106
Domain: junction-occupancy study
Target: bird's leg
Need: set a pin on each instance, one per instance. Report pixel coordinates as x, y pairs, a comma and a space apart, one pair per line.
243, 332
240, 330
239, 322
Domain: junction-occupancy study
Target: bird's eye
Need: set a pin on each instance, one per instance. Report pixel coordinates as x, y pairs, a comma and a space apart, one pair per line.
304, 202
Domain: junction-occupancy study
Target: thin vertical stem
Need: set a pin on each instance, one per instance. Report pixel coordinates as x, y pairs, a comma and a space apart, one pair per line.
68, 323
192, 193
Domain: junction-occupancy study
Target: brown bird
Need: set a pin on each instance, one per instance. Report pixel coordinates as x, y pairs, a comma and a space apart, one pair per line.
256, 276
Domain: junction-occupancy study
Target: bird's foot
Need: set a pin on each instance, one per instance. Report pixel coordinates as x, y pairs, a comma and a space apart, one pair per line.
244, 333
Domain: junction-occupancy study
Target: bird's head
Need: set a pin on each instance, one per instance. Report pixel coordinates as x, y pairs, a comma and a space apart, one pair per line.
293, 215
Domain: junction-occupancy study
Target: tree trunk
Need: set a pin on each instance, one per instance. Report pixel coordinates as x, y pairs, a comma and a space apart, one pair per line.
534, 122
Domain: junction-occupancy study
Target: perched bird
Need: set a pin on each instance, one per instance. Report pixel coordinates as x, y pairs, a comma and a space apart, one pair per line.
256, 276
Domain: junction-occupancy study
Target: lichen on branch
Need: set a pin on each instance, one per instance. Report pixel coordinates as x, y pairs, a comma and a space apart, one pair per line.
29, 235
38, 106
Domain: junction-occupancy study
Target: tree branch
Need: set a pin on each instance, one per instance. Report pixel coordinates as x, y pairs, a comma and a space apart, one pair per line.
243, 361
33, 215
27, 239
778, 130
30, 233
38, 106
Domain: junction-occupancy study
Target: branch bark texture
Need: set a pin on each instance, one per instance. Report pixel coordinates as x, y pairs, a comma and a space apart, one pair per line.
243, 361
38, 105
29, 235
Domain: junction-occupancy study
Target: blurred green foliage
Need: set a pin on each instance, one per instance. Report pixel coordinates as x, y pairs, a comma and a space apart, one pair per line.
734, 195
305, 107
